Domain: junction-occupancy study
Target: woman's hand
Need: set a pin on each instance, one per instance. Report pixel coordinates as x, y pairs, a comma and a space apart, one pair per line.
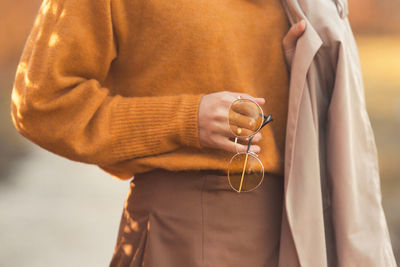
290, 40
214, 128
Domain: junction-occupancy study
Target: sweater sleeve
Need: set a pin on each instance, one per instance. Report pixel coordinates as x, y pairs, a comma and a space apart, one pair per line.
59, 100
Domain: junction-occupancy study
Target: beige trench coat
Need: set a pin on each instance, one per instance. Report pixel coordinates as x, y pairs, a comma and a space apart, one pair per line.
333, 198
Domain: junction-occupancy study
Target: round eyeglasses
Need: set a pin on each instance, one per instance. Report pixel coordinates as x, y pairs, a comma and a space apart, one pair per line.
245, 170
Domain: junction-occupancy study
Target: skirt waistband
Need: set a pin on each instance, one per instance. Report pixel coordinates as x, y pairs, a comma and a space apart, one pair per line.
194, 172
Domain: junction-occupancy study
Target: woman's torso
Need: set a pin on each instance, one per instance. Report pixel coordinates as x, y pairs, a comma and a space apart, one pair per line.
192, 47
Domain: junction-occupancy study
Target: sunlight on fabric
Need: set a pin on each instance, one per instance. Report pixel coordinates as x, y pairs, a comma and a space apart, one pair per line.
15, 97
127, 249
45, 7
16, 122
54, 38
49, 6
127, 229
16, 102
22, 70
16, 115
40, 33
37, 21
131, 225
54, 9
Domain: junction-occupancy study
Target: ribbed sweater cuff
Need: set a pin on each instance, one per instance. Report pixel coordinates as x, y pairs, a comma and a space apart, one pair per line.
144, 126
190, 120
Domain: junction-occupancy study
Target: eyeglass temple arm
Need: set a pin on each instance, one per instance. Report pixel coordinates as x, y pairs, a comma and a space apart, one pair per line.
267, 119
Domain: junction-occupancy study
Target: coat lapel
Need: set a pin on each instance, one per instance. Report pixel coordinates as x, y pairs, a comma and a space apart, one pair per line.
305, 225
307, 46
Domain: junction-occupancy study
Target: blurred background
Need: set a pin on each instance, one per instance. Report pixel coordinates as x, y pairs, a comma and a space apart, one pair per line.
55, 212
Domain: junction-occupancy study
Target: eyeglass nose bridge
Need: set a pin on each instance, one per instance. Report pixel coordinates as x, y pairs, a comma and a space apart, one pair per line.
267, 120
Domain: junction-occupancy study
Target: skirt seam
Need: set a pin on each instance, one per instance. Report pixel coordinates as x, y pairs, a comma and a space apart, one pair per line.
202, 218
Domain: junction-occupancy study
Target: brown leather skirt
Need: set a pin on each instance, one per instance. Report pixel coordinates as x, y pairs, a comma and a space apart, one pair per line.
194, 219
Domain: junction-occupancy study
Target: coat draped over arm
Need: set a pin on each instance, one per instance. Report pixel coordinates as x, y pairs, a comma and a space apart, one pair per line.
332, 188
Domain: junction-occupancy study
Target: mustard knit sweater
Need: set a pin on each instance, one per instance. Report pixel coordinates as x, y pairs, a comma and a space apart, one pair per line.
117, 83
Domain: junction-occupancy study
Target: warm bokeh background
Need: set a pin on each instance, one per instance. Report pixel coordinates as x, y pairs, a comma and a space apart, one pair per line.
55, 212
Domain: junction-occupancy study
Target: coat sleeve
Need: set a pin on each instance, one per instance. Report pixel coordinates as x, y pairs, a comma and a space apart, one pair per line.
59, 100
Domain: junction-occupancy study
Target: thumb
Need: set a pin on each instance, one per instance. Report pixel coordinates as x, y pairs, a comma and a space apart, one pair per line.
289, 41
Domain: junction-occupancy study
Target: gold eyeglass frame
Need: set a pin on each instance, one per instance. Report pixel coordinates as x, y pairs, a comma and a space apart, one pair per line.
266, 120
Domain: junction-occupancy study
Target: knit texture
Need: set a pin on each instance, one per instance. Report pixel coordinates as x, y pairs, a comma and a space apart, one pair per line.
118, 83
